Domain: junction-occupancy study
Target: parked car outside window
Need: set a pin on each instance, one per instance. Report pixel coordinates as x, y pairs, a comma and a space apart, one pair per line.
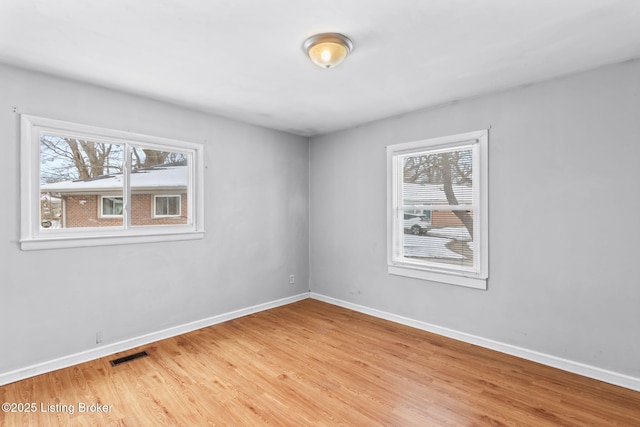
416, 224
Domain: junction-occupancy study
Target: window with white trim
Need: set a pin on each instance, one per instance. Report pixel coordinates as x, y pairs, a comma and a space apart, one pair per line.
437, 209
166, 206
84, 186
111, 206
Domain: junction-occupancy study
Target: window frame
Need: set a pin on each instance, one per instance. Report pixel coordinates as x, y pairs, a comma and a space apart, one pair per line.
101, 213
155, 201
476, 277
33, 237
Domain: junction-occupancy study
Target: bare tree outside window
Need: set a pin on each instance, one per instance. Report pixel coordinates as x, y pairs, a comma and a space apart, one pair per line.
446, 169
144, 157
63, 159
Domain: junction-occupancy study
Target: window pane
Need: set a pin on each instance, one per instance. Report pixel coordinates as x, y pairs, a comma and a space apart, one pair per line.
74, 174
153, 172
112, 206
167, 205
442, 238
442, 178
161, 206
173, 206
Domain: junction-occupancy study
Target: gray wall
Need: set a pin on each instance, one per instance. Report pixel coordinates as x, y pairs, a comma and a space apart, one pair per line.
563, 207
53, 302
564, 230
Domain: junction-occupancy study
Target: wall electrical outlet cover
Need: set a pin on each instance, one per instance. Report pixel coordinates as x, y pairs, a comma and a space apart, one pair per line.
292, 279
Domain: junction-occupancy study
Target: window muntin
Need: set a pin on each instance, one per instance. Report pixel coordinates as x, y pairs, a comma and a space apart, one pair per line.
166, 206
437, 209
81, 185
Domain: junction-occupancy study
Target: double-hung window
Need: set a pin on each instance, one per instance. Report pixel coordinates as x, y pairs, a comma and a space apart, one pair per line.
86, 186
437, 209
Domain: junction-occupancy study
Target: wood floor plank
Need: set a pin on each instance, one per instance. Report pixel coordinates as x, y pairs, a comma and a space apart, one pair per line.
314, 364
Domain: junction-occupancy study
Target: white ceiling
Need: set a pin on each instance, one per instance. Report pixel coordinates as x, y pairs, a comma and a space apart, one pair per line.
243, 59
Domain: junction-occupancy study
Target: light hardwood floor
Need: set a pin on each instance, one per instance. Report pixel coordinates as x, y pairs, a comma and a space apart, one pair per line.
314, 364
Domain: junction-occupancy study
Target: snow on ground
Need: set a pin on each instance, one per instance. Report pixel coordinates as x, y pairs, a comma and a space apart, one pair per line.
428, 247
458, 233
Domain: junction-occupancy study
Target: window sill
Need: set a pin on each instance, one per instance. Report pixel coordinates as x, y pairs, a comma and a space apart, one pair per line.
434, 276
89, 241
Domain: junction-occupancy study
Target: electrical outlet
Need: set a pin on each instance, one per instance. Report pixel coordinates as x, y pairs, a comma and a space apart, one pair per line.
98, 337
292, 279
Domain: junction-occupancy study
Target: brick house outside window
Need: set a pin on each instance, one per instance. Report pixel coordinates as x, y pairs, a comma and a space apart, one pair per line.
158, 197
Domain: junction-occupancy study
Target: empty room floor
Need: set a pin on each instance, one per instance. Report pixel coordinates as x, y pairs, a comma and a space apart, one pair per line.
314, 364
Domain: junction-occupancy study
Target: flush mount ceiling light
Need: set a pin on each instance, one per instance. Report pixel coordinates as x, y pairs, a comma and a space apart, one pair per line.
328, 49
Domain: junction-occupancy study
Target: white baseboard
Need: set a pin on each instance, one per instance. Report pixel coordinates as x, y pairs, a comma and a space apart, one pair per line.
106, 350
545, 359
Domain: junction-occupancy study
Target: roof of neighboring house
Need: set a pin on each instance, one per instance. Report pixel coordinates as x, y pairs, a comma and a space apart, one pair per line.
167, 177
